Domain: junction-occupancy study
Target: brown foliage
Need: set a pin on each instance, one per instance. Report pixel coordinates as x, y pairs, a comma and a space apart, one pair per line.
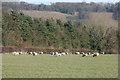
8, 49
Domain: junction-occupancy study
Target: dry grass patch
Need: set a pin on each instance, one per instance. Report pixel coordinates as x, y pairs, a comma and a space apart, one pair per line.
46, 14
103, 19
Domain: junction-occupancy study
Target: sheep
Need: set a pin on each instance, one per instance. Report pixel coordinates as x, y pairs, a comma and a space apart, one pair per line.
16, 53
52, 53
58, 54
66, 53
89, 53
20, 52
102, 52
84, 54
76, 53
34, 53
40, 52
63, 53
30, 52
95, 54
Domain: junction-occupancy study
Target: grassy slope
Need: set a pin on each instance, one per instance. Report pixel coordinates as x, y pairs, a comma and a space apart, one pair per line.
70, 66
46, 14
102, 19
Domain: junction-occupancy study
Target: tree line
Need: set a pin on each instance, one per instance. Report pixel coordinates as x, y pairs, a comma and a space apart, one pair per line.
63, 7
19, 30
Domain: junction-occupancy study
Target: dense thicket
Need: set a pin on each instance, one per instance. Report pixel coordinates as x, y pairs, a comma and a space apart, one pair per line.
21, 30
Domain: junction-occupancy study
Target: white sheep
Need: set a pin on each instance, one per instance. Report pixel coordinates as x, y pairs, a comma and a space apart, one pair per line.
58, 54
102, 52
76, 53
40, 52
95, 54
30, 52
66, 53
15, 53
63, 53
84, 54
52, 53
34, 53
89, 53
20, 52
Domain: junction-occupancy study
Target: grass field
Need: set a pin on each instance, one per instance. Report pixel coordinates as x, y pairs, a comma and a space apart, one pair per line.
69, 66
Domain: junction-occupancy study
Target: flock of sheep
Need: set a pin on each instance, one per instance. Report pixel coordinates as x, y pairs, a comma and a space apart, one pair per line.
60, 53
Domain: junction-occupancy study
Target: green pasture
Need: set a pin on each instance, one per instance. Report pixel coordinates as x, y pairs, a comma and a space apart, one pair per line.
68, 66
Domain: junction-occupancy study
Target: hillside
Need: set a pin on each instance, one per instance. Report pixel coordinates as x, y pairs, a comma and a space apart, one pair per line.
103, 19
46, 14
22, 30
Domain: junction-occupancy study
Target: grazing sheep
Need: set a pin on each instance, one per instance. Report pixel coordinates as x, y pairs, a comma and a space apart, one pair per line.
84, 54
76, 53
20, 52
89, 53
34, 53
102, 52
30, 52
63, 53
58, 54
15, 53
95, 54
66, 53
52, 53
40, 52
